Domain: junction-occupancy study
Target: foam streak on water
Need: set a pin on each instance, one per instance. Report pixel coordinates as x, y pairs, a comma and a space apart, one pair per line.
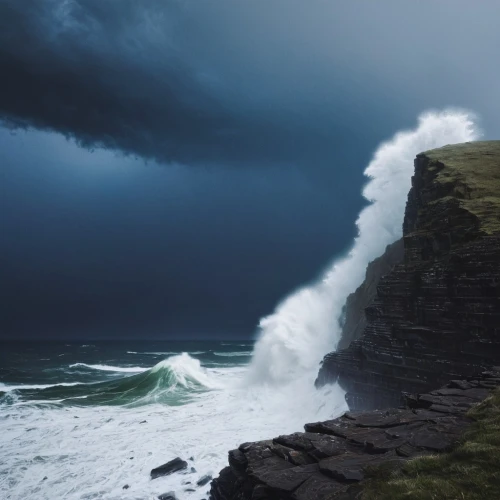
107, 368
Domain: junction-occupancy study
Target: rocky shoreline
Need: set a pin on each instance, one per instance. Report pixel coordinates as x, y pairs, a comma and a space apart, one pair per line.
432, 319
331, 459
436, 315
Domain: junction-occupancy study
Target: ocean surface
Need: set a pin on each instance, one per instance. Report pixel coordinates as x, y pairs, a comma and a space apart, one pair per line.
82, 420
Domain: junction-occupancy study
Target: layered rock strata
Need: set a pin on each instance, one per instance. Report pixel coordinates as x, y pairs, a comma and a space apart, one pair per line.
331, 459
354, 318
436, 316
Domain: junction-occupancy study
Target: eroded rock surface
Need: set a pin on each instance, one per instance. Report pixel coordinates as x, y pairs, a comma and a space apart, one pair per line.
330, 459
354, 319
436, 316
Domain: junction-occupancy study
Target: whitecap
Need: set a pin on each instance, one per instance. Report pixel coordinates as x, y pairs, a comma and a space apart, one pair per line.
7, 388
108, 368
231, 354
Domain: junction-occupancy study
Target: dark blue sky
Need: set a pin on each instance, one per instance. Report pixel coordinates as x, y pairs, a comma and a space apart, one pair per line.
174, 168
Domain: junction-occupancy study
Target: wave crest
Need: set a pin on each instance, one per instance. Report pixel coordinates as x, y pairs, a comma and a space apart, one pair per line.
171, 381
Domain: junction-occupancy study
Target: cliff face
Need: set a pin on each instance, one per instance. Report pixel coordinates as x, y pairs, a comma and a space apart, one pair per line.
436, 316
354, 322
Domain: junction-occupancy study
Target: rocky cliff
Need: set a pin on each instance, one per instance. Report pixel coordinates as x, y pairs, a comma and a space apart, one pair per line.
332, 459
435, 316
354, 318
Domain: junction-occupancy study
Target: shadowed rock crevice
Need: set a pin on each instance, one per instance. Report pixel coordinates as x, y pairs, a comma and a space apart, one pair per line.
354, 318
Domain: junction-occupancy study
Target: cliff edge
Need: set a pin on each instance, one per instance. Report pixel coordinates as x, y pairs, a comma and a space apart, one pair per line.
436, 316
366, 455
434, 321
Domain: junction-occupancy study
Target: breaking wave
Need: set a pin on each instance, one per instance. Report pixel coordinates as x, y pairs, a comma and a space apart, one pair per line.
172, 381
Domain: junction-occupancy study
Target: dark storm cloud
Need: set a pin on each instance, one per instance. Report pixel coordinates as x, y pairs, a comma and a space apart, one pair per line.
225, 81
283, 100
106, 73
127, 75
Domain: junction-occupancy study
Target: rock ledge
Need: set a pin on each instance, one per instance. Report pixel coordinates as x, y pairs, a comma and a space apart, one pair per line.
330, 459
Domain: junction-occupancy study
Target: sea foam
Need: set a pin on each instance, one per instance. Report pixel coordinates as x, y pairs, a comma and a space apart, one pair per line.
91, 456
305, 326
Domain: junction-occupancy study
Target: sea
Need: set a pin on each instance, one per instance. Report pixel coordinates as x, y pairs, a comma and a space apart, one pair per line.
89, 420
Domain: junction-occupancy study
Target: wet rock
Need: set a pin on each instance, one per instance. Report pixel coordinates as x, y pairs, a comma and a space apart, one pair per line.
434, 318
237, 459
174, 465
318, 487
168, 496
344, 450
229, 485
354, 321
435, 315
286, 480
351, 467
126, 487
327, 446
204, 480
297, 441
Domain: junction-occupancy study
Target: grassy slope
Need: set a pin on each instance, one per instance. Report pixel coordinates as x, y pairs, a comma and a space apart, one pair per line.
471, 471
474, 168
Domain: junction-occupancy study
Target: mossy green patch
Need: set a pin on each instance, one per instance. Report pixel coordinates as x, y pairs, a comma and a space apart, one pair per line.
473, 168
471, 471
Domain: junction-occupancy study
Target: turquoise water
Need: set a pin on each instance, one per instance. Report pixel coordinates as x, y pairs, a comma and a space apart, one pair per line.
113, 373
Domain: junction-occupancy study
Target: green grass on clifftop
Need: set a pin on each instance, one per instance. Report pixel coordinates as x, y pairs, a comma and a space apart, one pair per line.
471, 471
474, 168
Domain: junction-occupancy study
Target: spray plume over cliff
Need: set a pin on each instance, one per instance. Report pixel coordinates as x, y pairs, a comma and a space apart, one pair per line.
305, 325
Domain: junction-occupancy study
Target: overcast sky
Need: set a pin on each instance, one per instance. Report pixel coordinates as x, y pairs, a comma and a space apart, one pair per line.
174, 168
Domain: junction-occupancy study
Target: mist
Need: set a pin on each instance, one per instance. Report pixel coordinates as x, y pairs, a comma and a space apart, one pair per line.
306, 324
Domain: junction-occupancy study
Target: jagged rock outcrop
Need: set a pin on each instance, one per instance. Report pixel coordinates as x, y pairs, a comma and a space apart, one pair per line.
330, 460
436, 316
354, 319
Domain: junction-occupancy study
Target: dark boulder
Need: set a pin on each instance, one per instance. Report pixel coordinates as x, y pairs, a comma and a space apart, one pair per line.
204, 480
170, 495
331, 459
174, 465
